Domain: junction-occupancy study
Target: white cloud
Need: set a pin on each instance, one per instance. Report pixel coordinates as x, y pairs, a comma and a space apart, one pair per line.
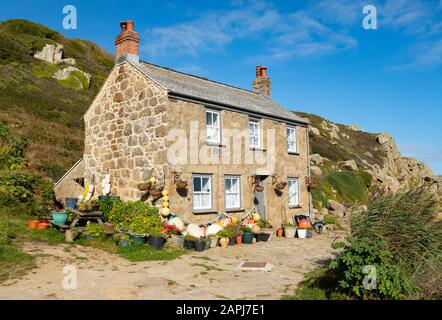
425, 55
280, 36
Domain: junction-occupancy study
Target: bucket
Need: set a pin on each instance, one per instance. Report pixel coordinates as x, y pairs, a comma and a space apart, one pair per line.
248, 238
302, 233
71, 203
157, 242
289, 232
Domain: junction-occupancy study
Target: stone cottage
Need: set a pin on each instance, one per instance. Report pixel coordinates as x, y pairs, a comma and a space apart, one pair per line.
150, 121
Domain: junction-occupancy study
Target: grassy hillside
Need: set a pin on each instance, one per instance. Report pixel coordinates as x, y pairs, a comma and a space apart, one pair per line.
47, 112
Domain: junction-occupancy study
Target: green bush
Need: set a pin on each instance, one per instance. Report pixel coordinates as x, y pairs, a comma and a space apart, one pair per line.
4, 231
106, 206
358, 254
30, 193
406, 222
130, 215
95, 230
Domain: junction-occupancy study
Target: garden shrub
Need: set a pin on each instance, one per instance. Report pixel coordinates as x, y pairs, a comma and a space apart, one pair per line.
349, 266
3, 232
106, 206
27, 192
406, 222
123, 214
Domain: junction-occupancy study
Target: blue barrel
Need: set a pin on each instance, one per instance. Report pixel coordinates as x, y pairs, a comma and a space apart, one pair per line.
71, 203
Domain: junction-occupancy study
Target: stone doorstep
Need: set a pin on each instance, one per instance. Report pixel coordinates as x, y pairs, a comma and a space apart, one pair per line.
255, 266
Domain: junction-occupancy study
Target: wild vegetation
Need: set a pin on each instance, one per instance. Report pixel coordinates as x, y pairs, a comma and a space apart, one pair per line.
400, 237
45, 111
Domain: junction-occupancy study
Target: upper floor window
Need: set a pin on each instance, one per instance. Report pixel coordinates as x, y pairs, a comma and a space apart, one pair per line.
232, 191
213, 126
291, 140
254, 134
202, 192
293, 192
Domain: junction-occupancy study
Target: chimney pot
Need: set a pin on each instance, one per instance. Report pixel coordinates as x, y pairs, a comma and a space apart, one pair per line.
262, 84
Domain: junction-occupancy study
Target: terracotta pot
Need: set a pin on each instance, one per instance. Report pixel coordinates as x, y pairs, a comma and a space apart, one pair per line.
42, 225
279, 232
33, 224
224, 242
238, 239
181, 184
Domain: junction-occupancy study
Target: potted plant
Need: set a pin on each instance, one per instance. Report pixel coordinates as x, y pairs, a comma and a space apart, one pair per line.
208, 242
213, 241
93, 230
108, 229
280, 185
175, 236
302, 233
248, 235
259, 188
266, 230
200, 244
224, 236
181, 184
189, 241
123, 240
289, 230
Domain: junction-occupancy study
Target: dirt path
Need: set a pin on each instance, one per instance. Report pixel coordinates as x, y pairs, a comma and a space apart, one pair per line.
212, 274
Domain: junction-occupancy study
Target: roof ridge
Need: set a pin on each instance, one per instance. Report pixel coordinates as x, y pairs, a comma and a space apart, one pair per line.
204, 78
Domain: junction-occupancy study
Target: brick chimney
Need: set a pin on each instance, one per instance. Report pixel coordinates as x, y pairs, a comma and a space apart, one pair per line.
262, 83
127, 43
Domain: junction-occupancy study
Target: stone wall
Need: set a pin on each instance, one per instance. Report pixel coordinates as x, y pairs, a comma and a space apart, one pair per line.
125, 130
67, 186
182, 113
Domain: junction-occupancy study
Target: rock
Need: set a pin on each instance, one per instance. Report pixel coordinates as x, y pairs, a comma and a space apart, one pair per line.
333, 129
354, 127
349, 165
316, 171
315, 131
335, 205
319, 217
66, 72
383, 138
54, 54
316, 159
324, 211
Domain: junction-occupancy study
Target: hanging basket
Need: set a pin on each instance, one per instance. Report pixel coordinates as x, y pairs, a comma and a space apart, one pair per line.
280, 185
181, 184
259, 188
143, 186
156, 192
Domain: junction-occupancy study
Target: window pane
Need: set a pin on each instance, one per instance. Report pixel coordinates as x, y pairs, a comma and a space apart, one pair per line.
228, 184
206, 184
235, 185
197, 184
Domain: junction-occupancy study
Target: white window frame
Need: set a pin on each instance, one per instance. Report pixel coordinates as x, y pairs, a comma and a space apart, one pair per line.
295, 139
196, 193
296, 202
232, 177
256, 134
218, 136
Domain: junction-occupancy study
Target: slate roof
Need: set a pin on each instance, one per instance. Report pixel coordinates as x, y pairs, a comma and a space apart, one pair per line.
218, 93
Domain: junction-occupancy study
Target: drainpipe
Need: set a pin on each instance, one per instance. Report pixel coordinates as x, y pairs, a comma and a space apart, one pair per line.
308, 170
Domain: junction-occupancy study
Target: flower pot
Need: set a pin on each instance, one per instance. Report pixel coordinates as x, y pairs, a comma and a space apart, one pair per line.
232, 241
302, 233
262, 237
289, 232
208, 244
248, 238
181, 185
224, 242
238, 239
71, 203
279, 232
177, 241
42, 225
156, 193
137, 239
259, 188
123, 243
157, 242
89, 237
103, 198
143, 186
187, 244
33, 224
213, 242
200, 246
43, 220
60, 218
280, 185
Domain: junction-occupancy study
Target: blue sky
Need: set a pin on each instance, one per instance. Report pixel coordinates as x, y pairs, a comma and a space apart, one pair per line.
320, 58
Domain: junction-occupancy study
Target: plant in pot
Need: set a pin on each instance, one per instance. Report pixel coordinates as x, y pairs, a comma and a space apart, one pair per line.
189, 241
94, 231
213, 241
248, 235
224, 236
231, 231
122, 239
266, 230
200, 244
175, 236
289, 230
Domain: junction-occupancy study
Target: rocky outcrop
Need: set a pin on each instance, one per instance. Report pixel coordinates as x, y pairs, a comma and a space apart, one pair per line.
354, 127
53, 53
348, 165
332, 129
76, 74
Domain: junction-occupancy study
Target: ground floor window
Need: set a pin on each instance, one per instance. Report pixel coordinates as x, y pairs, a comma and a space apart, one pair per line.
293, 186
202, 192
232, 191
